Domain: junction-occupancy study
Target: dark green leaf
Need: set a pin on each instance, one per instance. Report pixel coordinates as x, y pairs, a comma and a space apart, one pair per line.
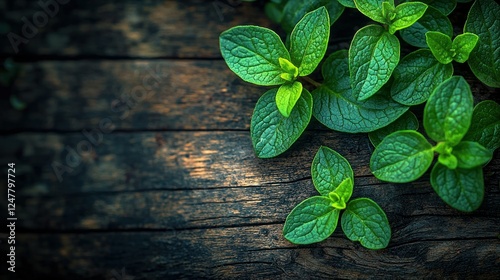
272, 133
348, 3
416, 76
364, 221
295, 9
373, 55
448, 112
462, 189
407, 121
483, 20
313, 220
336, 106
485, 125
432, 20
401, 157
471, 154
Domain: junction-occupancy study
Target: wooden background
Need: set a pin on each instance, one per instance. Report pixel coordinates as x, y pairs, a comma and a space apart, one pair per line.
149, 130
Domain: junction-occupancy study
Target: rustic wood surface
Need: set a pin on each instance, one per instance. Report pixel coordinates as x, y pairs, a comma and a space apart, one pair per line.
157, 177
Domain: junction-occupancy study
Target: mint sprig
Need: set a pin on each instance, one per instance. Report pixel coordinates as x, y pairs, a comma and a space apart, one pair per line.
316, 218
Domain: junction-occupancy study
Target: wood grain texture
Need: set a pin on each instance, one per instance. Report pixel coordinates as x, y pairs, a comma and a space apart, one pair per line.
154, 28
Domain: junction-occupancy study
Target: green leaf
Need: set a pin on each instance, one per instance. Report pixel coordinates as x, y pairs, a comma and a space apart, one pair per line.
347, 3
372, 9
448, 112
408, 121
484, 60
294, 10
463, 44
364, 221
485, 125
406, 15
336, 201
373, 55
337, 107
448, 160
416, 76
440, 45
401, 157
253, 53
462, 189
329, 169
309, 40
444, 6
343, 191
288, 94
313, 220
471, 154
290, 71
272, 133
432, 20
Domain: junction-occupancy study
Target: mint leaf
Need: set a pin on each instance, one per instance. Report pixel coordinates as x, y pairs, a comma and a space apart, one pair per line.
364, 221
440, 45
253, 53
309, 40
462, 189
290, 72
401, 157
294, 10
406, 15
313, 220
444, 6
408, 121
463, 44
373, 55
448, 112
287, 96
372, 9
484, 61
471, 154
432, 20
416, 76
448, 160
337, 107
272, 133
347, 3
485, 125
344, 192
329, 169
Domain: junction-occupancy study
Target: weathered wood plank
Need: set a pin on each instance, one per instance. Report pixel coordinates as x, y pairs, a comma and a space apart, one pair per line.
251, 252
140, 95
153, 28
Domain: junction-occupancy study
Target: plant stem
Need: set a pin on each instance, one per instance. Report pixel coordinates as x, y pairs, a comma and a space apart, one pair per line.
311, 81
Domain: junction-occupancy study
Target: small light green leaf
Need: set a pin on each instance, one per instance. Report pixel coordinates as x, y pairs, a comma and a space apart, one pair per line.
364, 221
484, 60
372, 9
416, 76
471, 154
408, 121
485, 125
440, 45
401, 157
448, 160
313, 220
272, 133
309, 40
347, 3
344, 190
337, 107
463, 44
448, 112
294, 10
462, 189
253, 53
288, 94
329, 169
406, 15
432, 20
373, 55
290, 71
336, 201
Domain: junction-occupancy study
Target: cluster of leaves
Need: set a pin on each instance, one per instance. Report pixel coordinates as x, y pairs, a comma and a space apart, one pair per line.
370, 89
316, 218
